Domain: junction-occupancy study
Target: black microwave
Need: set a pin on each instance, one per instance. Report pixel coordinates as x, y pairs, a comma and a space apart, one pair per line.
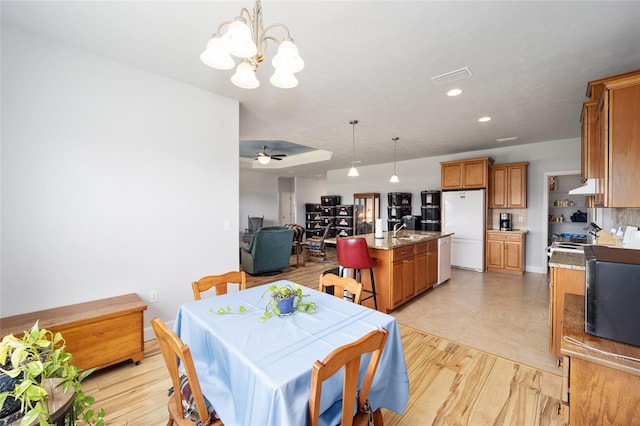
612, 293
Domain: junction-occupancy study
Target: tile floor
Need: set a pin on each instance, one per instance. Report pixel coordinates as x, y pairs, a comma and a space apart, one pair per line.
502, 314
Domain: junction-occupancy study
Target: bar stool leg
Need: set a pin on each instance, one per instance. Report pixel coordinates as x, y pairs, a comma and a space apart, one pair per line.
373, 289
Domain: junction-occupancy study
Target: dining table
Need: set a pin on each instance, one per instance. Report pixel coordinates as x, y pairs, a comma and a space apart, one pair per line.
259, 372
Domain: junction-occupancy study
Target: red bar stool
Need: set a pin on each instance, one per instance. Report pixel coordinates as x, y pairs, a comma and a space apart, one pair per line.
353, 253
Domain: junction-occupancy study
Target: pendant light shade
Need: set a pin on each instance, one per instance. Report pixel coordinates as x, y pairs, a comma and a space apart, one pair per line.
394, 177
245, 76
353, 171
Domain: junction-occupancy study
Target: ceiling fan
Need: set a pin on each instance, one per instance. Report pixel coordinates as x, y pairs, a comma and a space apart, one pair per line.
264, 158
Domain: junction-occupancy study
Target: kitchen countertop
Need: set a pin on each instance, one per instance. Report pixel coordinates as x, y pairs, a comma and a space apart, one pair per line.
566, 260
390, 243
513, 231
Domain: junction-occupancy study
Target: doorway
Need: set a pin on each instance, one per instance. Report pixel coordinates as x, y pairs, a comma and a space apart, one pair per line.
286, 200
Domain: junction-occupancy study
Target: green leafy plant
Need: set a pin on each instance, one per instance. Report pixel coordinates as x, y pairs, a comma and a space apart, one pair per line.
276, 294
36, 356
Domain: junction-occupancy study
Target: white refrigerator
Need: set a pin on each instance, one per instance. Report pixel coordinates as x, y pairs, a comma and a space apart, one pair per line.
463, 214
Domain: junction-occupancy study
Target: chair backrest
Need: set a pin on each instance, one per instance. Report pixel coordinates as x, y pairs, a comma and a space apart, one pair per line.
219, 282
340, 284
349, 357
353, 253
173, 349
298, 231
255, 223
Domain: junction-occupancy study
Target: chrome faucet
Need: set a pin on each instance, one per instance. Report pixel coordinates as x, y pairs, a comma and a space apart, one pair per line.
397, 229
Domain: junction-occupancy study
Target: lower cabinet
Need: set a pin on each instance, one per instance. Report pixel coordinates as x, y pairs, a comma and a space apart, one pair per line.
403, 273
426, 265
561, 283
505, 252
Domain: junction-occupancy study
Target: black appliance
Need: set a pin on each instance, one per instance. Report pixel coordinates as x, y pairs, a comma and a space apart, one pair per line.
505, 221
612, 293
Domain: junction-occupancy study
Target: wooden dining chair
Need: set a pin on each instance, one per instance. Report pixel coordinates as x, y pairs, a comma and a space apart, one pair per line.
219, 282
349, 356
187, 400
340, 284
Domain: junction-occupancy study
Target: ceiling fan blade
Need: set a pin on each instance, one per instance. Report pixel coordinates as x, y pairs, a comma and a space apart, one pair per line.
278, 155
276, 158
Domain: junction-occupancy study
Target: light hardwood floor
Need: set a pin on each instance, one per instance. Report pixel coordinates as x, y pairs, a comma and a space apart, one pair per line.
499, 375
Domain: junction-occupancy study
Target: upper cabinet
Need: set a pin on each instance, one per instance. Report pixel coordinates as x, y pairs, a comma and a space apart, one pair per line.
508, 186
465, 174
611, 139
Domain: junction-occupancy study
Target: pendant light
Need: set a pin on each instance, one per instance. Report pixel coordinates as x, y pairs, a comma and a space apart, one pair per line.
394, 178
353, 171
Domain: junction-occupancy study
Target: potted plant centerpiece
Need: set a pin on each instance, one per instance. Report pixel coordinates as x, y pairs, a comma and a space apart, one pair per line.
283, 300
30, 366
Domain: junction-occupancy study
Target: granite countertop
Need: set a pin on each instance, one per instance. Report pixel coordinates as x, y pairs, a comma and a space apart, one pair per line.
513, 231
407, 238
566, 260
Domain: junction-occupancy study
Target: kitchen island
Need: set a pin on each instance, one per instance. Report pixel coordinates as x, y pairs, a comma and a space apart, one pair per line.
407, 266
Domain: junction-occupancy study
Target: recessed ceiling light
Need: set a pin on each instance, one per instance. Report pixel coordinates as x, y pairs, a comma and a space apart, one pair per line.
454, 92
509, 139
484, 119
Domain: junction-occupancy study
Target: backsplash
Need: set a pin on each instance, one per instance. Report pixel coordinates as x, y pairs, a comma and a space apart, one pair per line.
609, 218
493, 221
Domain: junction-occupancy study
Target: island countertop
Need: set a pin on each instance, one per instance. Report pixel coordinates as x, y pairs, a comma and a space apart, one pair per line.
405, 238
565, 260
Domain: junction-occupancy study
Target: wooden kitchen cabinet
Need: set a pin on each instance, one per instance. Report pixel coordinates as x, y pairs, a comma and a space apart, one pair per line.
508, 186
561, 282
613, 131
403, 273
472, 173
426, 265
588, 141
600, 377
505, 252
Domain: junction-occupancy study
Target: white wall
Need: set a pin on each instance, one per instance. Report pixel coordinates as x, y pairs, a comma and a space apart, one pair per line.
308, 191
259, 196
424, 174
114, 180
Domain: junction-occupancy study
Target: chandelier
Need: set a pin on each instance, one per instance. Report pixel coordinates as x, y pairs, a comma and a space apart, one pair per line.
246, 38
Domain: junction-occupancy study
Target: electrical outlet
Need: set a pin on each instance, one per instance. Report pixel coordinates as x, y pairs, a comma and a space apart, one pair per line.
520, 219
153, 296
227, 226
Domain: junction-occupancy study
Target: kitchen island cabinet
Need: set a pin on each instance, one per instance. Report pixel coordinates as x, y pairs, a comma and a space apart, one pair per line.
407, 267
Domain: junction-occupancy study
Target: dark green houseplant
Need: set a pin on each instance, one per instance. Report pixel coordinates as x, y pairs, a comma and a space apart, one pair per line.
30, 360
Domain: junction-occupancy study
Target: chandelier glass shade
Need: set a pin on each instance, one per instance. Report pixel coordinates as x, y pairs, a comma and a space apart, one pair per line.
394, 177
246, 38
353, 171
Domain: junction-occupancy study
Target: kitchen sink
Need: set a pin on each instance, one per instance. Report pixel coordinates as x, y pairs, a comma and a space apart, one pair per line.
411, 237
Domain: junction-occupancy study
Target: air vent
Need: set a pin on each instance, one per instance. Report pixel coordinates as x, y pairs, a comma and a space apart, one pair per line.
452, 76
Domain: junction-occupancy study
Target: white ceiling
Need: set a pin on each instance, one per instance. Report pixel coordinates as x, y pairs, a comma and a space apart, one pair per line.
373, 61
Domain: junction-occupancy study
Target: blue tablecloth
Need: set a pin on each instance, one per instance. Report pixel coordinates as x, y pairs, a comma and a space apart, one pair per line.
259, 373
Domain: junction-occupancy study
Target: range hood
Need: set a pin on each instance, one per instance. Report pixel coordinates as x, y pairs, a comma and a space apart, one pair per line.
589, 188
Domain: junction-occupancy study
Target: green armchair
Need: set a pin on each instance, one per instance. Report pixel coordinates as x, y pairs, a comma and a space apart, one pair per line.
269, 250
